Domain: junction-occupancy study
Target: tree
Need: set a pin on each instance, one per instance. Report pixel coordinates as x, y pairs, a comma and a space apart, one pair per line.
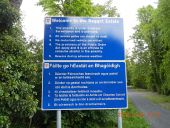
163, 17
8, 17
106, 10
139, 62
77, 8
17, 98
152, 49
148, 49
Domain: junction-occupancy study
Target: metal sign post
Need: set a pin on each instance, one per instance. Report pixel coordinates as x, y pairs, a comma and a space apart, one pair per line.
119, 118
58, 119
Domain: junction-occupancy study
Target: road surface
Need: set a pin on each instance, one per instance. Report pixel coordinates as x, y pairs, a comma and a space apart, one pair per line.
154, 114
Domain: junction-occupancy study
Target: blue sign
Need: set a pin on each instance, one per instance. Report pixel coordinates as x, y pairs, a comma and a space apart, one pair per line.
75, 38
84, 85
83, 64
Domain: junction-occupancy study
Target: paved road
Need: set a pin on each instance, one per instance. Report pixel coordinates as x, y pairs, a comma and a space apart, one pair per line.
157, 116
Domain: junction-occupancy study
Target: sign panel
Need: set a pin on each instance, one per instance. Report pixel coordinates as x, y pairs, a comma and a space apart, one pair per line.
70, 38
84, 85
83, 64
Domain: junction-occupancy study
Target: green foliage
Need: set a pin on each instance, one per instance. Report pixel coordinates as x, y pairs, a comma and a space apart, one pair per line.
163, 17
89, 119
8, 15
150, 62
67, 7
4, 121
145, 57
17, 98
36, 49
165, 67
77, 8
106, 9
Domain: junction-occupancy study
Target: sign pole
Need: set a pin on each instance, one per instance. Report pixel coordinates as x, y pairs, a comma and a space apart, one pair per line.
119, 118
58, 119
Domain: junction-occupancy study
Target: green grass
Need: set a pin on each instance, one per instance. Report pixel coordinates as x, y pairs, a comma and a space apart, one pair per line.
139, 89
132, 118
161, 100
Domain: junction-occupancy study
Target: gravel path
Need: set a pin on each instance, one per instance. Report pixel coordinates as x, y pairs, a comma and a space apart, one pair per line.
154, 114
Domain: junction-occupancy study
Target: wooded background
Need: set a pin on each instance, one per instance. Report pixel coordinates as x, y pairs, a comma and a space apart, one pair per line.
148, 65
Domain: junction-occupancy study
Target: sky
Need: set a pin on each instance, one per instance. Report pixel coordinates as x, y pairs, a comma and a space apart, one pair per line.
33, 17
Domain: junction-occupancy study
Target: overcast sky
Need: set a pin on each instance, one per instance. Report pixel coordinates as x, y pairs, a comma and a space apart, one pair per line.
33, 16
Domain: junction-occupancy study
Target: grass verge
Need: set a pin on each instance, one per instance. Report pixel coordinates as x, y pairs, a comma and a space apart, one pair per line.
132, 118
162, 100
